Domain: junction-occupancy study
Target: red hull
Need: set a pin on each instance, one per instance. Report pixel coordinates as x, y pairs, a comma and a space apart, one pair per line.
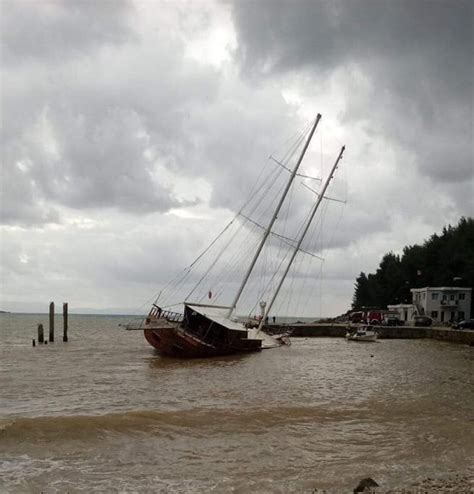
175, 342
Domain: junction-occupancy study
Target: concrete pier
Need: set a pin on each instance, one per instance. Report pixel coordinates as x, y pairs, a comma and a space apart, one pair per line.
385, 332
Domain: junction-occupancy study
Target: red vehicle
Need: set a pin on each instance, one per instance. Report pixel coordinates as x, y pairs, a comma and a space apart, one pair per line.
373, 317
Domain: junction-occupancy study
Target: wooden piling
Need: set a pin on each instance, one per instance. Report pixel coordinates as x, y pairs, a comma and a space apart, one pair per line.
65, 321
51, 322
40, 333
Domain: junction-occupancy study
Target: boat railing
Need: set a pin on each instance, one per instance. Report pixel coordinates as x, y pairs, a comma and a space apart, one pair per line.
170, 316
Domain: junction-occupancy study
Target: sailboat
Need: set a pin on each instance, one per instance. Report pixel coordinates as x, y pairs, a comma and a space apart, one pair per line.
208, 330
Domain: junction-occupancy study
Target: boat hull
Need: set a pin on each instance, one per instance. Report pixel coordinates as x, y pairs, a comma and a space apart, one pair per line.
367, 338
363, 333
175, 342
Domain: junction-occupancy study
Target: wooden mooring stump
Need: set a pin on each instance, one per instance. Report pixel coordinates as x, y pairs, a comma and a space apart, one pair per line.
65, 321
51, 322
40, 334
51, 326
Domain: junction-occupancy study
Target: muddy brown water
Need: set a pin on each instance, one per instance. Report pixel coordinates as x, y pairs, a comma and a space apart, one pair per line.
104, 413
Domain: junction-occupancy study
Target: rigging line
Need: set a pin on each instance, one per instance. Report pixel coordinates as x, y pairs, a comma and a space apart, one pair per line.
289, 241
325, 197
294, 270
257, 184
336, 228
273, 275
181, 277
220, 254
309, 292
271, 182
269, 186
256, 187
292, 149
298, 143
321, 268
229, 268
282, 187
285, 224
298, 174
291, 191
294, 137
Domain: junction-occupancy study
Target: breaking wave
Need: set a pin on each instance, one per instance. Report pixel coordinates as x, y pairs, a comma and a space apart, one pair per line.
255, 420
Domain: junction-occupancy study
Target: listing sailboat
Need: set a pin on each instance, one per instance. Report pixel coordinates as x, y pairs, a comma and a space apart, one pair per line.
209, 330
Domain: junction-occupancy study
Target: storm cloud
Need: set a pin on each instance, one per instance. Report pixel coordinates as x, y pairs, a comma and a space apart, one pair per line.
132, 131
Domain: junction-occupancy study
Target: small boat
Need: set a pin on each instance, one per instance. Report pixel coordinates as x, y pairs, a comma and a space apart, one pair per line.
208, 330
361, 333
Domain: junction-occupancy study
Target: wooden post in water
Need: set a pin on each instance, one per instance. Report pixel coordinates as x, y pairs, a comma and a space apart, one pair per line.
40, 333
65, 321
51, 322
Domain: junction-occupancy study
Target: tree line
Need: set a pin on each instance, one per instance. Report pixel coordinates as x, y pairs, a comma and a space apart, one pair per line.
442, 260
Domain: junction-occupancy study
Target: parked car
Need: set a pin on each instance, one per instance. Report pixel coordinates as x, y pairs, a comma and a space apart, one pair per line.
392, 321
422, 321
467, 324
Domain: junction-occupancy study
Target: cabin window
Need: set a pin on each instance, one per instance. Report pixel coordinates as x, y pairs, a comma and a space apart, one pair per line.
434, 314
434, 296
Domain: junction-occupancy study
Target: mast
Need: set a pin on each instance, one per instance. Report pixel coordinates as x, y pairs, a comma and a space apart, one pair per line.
275, 214
300, 241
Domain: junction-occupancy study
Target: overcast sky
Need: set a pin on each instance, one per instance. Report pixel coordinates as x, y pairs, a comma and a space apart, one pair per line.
131, 131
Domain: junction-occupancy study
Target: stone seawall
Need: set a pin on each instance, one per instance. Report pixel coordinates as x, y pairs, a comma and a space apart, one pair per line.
465, 336
385, 332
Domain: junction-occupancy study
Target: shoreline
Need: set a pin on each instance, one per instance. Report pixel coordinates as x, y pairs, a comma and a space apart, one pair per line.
463, 336
446, 484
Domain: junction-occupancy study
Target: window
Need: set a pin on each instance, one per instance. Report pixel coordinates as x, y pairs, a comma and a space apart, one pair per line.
434, 296
451, 297
445, 297
434, 314
424, 295
460, 315
462, 296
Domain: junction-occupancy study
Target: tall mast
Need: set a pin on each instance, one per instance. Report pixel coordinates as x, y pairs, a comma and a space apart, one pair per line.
300, 241
275, 214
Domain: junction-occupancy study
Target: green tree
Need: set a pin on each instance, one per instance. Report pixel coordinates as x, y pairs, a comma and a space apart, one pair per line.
442, 260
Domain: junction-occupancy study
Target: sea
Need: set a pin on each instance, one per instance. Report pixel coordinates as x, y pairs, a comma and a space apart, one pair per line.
103, 413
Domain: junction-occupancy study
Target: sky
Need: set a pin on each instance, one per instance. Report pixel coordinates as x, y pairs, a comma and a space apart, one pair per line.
131, 132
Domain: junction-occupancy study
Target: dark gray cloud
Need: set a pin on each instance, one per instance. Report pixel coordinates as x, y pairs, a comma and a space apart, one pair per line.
120, 127
89, 133
416, 59
53, 31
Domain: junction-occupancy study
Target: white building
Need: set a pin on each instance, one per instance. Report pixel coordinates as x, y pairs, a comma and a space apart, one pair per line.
444, 303
405, 311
